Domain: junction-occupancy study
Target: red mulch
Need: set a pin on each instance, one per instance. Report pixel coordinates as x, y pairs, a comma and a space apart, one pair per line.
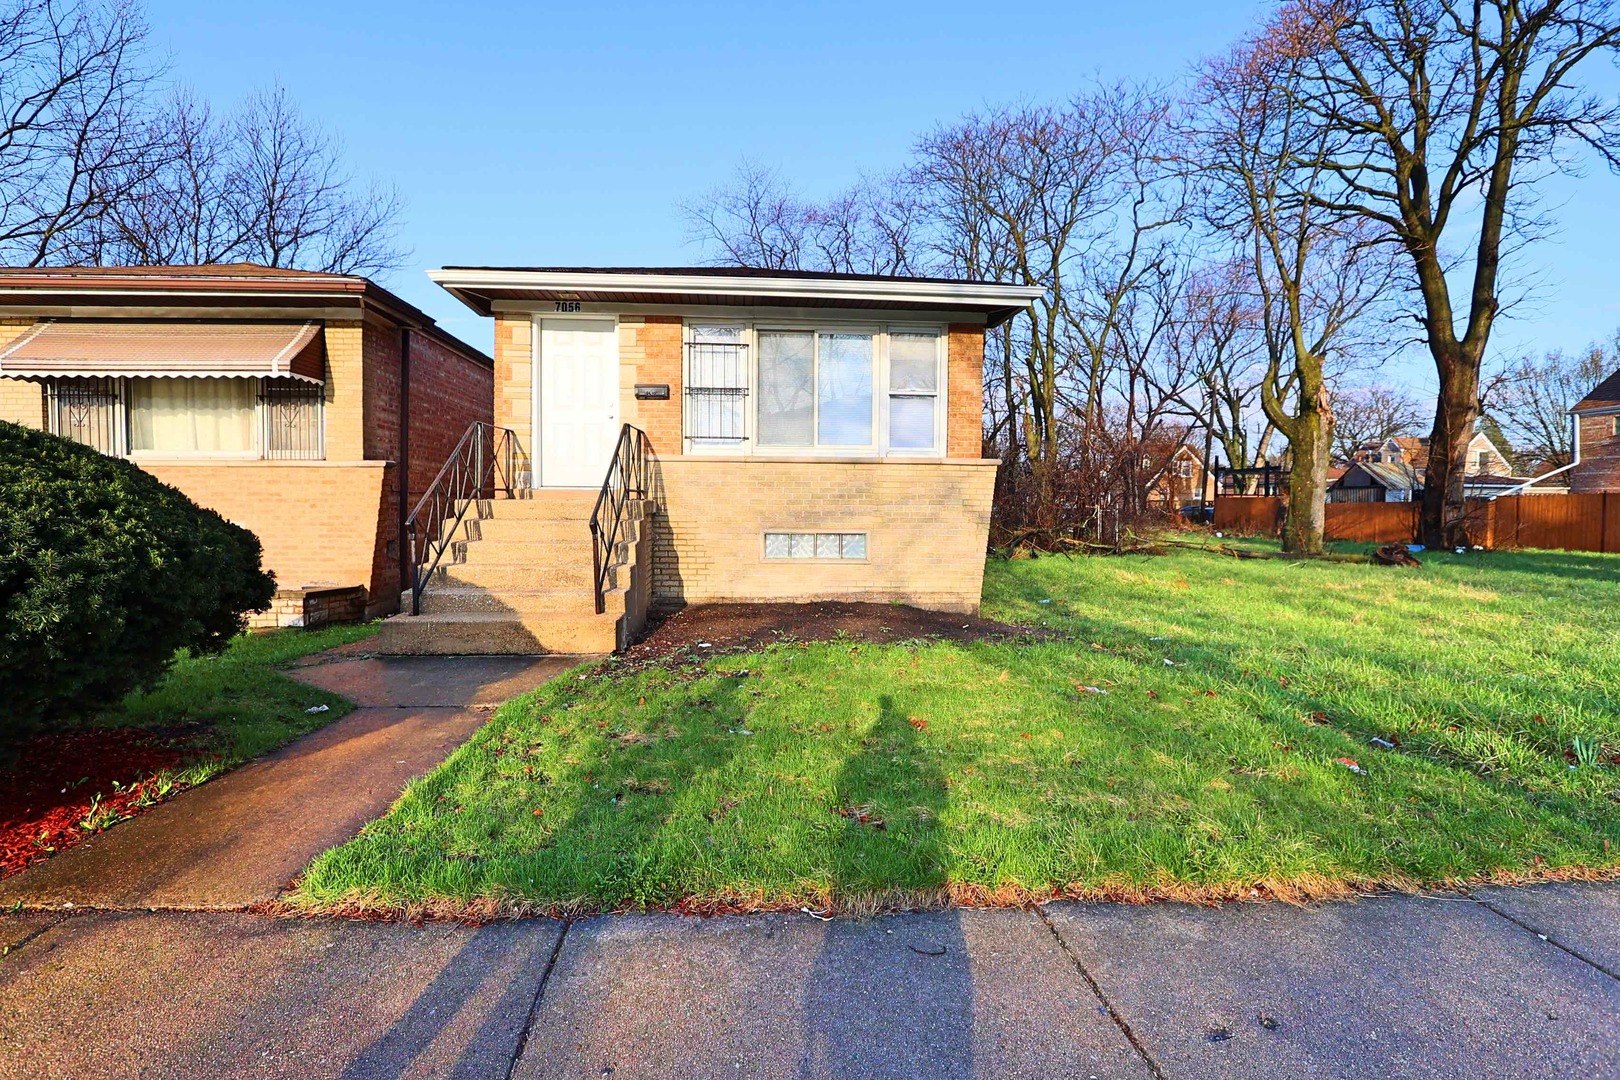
710, 629
51, 784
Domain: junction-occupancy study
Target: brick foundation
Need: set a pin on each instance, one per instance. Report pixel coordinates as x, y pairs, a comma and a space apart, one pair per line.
927, 524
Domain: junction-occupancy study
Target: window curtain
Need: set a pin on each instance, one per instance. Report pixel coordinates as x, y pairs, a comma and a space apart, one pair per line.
844, 390
192, 415
786, 381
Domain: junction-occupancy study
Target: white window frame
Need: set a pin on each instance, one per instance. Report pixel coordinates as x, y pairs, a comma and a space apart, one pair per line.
880, 333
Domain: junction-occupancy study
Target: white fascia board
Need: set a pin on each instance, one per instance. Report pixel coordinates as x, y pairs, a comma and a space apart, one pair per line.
929, 292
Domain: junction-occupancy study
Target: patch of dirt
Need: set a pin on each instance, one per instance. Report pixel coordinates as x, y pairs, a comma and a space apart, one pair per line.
59, 783
712, 629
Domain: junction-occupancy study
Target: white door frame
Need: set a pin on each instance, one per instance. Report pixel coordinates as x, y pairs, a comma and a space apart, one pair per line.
537, 323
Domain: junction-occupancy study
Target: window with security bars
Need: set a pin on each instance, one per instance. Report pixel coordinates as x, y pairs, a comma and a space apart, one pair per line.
804, 545
291, 414
716, 385
89, 411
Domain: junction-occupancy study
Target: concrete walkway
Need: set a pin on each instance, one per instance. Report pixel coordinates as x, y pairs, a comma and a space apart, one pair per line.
1520, 983
1506, 983
237, 841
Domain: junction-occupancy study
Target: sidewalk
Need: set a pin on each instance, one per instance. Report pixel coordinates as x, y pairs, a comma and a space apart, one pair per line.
1506, 983
238, 840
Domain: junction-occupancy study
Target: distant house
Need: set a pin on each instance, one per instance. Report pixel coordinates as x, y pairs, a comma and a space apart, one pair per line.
1182, 477
1597, 419
1394, 471
1484, 456
1376, 481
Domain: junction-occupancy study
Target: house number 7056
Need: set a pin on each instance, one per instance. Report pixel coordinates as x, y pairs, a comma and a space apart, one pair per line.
568, 305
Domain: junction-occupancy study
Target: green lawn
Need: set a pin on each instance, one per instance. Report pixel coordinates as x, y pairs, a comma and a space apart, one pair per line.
239, 704
861, 776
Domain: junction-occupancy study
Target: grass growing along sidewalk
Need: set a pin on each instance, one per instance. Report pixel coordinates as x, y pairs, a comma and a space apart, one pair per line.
205, 716
1188, 736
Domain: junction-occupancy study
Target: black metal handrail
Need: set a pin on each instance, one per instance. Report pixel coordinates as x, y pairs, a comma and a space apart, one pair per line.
481, 462
626, 480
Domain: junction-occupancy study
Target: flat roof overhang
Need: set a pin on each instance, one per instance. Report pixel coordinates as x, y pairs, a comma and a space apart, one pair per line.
481, 288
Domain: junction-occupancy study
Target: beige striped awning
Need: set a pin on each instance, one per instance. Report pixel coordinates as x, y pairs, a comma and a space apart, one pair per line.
55, 347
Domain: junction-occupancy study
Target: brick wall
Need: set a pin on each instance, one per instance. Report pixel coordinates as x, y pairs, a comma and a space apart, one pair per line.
1599, 469
926, 523
448, 392
650, 352
320, 524
514, 385
345, 391
964, 424
21, 402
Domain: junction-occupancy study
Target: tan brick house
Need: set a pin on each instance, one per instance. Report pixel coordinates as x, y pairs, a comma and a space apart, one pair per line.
803, 436
313, 409
1597, 427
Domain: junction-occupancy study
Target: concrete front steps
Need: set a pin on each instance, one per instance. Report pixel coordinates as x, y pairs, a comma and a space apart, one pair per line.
517, 579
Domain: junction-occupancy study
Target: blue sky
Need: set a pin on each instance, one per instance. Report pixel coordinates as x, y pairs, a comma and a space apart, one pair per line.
566, 134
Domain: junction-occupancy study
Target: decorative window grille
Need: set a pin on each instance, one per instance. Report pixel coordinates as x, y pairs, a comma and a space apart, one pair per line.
291, 413
717, 385
90, 411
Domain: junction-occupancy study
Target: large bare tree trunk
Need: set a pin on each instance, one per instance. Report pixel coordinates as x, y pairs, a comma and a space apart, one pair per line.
1310, 442
1442, 519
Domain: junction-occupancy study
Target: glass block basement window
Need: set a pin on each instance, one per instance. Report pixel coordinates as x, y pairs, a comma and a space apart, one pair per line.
785, 545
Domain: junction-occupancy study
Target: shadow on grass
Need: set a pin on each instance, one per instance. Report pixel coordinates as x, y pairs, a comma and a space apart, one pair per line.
891, 798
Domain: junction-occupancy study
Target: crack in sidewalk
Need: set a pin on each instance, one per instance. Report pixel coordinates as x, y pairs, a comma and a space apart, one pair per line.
534, 1006
1548, 938
1097, 991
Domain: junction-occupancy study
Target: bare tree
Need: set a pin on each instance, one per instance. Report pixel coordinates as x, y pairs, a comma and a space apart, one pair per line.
1372, 414
1315, 275
301, 206
183, 205
73, 80
1530, 400
1216, 336
261, 186
755, 220
1051, 197
1435, 117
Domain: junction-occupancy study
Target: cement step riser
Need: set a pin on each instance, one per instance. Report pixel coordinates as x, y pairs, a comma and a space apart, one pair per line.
481, 602
539, 557
499, 578
425, 635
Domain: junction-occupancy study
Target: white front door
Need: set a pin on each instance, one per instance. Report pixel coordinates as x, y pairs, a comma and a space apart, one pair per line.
578, 410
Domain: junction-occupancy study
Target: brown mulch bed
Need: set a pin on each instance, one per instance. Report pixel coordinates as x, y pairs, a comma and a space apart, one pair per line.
50, 787
709, 629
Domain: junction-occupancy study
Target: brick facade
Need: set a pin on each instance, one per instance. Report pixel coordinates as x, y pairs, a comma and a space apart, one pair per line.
514, 385
334, 522
964, 382
650, 352
926, 521
319, 522
1599, 469
927, 525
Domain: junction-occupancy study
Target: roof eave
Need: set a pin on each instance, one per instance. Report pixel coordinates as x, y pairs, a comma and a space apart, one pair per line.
998, 302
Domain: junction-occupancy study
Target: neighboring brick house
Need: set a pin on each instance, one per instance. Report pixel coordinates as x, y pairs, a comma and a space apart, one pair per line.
1179, 479
812, 436
280, 398
1597, 419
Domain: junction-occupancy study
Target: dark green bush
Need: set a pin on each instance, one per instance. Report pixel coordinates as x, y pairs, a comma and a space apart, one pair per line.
104, 574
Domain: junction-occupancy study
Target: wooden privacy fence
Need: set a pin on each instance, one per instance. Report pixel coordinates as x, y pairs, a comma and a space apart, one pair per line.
1572, 522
